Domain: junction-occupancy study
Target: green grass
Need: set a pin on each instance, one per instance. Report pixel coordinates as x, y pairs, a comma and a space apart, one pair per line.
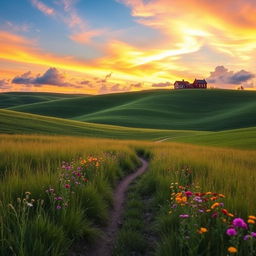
11, 99
13, 122
227, 171
244, 138
32, 164
208, 110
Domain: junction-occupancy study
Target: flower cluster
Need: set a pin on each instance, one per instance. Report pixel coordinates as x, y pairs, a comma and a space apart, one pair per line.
200, 213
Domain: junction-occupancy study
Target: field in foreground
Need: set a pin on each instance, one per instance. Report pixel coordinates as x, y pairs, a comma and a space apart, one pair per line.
32, 167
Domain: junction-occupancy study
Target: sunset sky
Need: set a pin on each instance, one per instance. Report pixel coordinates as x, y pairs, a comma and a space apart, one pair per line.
104, 46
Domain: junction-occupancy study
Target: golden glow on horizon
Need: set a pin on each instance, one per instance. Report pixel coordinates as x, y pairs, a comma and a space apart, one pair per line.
198, 35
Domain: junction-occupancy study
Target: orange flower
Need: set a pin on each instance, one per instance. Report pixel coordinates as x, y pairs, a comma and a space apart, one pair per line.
250, 221
215, 205
231, 215
252, 217
202, 230
232, 249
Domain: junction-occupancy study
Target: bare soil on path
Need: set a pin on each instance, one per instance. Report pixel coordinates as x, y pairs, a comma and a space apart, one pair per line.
104, 246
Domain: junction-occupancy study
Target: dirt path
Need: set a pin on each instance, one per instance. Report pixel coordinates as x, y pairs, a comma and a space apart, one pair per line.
104, 246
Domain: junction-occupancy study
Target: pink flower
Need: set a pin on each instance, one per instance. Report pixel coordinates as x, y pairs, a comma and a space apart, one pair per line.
240, 223
231, 232
184, 216
67, 186
188, 193
58, 207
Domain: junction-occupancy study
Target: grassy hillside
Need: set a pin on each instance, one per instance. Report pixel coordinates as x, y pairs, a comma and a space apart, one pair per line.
209, 110
12, 122
11, 99
244, 138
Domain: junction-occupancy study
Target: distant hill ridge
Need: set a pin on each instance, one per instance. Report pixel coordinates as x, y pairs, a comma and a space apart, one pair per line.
11, 99
205, 110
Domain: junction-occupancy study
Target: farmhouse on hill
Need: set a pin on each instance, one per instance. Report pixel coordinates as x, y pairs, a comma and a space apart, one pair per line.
197, 84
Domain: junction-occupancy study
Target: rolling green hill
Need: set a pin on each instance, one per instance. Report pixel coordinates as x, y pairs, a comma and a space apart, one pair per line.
202, 110
12, 122
11, 99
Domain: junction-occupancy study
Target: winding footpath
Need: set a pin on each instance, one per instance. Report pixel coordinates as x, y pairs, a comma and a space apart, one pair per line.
104, 246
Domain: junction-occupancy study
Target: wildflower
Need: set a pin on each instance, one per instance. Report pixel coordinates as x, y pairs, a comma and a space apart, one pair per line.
231, 215
58, 207
198, 199
184, 216
252, 217
224, 211
238, 222
215, 205
253, 234
246, 237
232, 249
231, 232
202, 230
250, 221
29, 204
215, 215
27, 193
188, 193
67, 186
221, 195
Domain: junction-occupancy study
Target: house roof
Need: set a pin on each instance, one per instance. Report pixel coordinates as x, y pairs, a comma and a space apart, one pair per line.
181, 82
198, 81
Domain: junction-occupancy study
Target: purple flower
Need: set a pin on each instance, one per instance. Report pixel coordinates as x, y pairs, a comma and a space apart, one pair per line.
253, 234
58, 207
198, 199
200, 210
184, 216
231, 232
246, 237
238, 222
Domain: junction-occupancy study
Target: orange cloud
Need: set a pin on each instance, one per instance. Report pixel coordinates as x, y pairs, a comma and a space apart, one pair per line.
85, 37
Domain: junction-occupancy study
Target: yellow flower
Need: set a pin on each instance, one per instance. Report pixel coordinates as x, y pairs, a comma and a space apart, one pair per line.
232, 249
250, 221
202, 230
252, 217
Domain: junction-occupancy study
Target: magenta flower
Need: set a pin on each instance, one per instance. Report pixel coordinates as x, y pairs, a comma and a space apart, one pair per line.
231, 232
215, 215
188, 193
253, 234
240, 223
58, 207
184, 216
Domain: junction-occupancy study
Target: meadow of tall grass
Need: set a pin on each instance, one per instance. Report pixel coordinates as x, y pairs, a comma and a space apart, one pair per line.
55, 190
211, 172
44, 209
